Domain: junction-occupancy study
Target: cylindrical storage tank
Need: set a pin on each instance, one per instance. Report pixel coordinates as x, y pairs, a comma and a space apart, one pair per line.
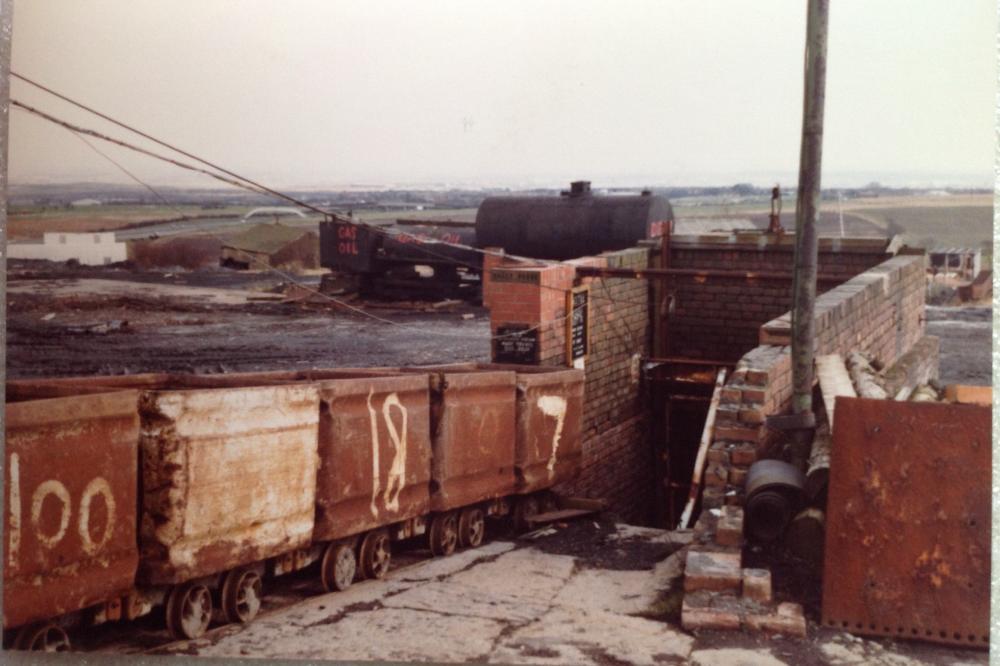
576, 224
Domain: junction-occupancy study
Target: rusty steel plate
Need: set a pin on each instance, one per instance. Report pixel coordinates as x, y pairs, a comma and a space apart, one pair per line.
70, 486
908, 521
374, 453
473, 432
548, 447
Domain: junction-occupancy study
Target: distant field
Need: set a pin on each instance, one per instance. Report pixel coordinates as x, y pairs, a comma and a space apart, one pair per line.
24, 223
957, 220
30, 222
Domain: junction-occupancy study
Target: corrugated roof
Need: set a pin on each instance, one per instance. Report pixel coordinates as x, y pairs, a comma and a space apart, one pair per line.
266, 238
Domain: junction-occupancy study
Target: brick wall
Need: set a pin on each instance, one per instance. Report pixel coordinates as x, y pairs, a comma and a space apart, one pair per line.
719, 318
879, 312
617, 458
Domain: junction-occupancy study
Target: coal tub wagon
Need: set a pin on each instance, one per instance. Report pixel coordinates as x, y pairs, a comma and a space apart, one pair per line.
577, 223
188, 493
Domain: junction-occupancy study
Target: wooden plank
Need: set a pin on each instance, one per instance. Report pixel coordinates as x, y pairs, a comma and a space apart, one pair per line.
971, 395
562, 514
833, 381
706, 439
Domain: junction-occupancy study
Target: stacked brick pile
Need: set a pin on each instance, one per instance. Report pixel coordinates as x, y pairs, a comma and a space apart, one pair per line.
720, 594
879, 312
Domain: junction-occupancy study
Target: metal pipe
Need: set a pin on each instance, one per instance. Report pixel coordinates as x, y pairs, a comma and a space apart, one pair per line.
685, 360
807, 207
663, 273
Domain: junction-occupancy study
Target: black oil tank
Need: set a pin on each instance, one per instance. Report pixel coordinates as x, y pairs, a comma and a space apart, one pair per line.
575, 224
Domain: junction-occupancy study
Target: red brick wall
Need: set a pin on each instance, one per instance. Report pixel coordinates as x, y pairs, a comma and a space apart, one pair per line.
719, 318
879, 312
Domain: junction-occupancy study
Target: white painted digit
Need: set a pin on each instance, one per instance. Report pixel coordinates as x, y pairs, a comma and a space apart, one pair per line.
554, 406
397, 471
14, 507
50, 487
95, 487
374, 425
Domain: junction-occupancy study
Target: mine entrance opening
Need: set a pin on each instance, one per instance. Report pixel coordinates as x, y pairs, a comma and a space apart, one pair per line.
680, 396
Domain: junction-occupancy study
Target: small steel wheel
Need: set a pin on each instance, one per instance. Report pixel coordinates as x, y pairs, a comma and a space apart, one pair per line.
338, 567
443, 535
45, 637
524, 508
189, 610
241, 594
471, 527
375, 553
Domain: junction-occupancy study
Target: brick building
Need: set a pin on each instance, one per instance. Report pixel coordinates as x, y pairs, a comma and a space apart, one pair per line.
643, 415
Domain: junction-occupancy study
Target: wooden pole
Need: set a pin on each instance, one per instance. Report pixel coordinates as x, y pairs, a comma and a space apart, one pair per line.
807, 210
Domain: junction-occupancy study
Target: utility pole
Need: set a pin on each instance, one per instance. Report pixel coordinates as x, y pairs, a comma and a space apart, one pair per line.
6, 30
807, 207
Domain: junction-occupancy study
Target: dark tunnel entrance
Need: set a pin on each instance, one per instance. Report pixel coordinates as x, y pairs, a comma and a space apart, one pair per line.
680, 393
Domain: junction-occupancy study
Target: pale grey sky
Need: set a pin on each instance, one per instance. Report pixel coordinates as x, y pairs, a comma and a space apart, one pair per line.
317, 93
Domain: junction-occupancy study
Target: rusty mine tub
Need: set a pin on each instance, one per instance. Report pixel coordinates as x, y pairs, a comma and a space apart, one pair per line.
228, 469
70, 484
547, 430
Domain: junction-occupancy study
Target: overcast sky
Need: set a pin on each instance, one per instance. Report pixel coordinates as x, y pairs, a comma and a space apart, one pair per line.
319, 93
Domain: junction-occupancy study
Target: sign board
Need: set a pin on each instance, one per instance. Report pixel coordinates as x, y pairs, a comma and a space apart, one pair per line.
516, 343
577, 324
520, 277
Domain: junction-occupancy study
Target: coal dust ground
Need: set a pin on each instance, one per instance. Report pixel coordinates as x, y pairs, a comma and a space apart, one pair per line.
966, 340
87, 321
79, 320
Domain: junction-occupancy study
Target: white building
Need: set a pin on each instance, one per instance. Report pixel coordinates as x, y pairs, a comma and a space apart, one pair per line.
93, 249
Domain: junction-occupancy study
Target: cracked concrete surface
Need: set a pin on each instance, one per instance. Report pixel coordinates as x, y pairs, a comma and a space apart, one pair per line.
491, 604
513, 603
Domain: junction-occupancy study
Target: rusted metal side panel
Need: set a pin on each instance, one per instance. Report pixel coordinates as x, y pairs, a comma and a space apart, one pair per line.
473, 433
908, 521
549, 420
70, 483
229, 477
374, 454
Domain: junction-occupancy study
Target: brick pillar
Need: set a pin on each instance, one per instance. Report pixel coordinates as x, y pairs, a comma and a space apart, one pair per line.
492, 259
530, 297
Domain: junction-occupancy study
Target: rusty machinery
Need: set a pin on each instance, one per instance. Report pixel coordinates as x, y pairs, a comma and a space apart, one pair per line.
577, 223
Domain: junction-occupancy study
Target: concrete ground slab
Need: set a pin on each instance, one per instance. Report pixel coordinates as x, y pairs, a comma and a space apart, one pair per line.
513, 603
593, 637
469, 601
734, 657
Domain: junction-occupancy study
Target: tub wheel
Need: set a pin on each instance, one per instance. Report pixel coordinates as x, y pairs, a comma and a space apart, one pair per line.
443, 535
338, 567
189, 610
241, 594
375, 553
471, 527
46, 637
525, 508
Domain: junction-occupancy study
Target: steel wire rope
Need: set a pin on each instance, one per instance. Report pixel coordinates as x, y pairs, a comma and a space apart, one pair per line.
259, 188
263, 189
80, 131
